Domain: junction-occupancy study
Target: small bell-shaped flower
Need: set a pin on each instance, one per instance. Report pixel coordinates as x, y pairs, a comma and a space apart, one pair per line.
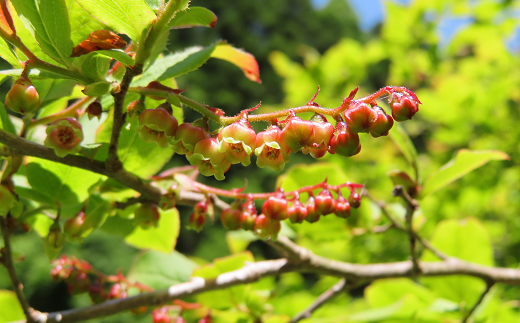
297, 133
157, 125
208, 159
271, 151
382, 123
275, 207
359, 117
186, 137
403, 107
64, 136
323, 132
238, 142
267, 228
344, 142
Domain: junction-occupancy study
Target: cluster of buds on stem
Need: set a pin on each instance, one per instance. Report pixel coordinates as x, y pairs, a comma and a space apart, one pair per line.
214, 152
278, 206
82, 278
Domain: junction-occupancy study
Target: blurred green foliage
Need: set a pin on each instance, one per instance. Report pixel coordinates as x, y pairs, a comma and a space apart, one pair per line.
470, 90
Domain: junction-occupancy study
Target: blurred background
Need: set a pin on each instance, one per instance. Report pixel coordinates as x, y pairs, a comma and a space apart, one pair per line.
460, 57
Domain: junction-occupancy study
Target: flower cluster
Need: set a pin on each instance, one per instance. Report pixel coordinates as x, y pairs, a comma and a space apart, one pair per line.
235, 143
82, 278
279, 206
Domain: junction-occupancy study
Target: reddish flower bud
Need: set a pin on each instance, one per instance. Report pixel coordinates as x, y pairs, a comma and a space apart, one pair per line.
266, 228
72, 227
64, 136
147, 215
78, 282
297, 212
248, 218
342, 207
297, 133
275, 208
23, 97
271, 151
94, 110
97, 293
323, 132
325, 203
157, 125
186, 137
206, 319
135, 108
344, 142
198, 217
359, 117
312, 213
355, 200
238, 142
403, 107
382, 123
208, 159
161, 315
231, 216
116, 292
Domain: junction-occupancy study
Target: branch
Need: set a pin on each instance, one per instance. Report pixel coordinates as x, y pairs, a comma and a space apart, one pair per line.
7, 260
302, 260
340, 287
113, 163
489, 284
411, 206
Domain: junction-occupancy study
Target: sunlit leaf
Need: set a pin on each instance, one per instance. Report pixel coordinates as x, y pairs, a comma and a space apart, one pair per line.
131, 17
7, 124
240, 58
163, 238
118, 55
194, 17
465, 161
11, 308
48, 21
405, 145
7, 53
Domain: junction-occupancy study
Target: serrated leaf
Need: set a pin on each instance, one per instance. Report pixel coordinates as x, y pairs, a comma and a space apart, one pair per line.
240, 58
163, 238
465, 161
405, 145
194, 17
7, 124
48, 21
119, 55
162, 64
159, 270
64, 184
141, 158
131, 17
11, 308
7, 53
95, 66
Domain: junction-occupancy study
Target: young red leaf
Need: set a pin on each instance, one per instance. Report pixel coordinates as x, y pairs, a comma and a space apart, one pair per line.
240, 58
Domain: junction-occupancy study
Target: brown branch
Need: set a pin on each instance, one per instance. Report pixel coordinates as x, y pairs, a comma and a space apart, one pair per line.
7, 260
302, 260
339, 287
489, 284
411, 206
113, 163
396, 224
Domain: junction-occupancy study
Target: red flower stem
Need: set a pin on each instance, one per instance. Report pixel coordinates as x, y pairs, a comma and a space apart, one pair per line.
206, 110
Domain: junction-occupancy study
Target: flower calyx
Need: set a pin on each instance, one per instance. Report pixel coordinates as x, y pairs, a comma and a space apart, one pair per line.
64, 136
238, 141
271, 151
209, 160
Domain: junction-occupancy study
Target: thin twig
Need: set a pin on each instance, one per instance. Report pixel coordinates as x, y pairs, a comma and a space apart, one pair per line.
489, 284
411, 206
399, 226
339, 287
7, 260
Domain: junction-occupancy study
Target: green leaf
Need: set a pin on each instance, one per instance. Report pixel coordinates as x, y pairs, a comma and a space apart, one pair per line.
141, 158
118, 55
95, 66
163, 238
159, 270
95, 214
64, 184
54, 89
303, 175
464, 162
7, 124
405, 145
162, 64
48, 21
194, 17
7, 53
239, 240
98, 89
131, 17
81, 22
387, 291
465, 239
11, 308
223, 265
189, 64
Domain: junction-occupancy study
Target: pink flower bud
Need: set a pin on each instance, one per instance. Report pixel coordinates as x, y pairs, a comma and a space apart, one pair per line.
248, 218
355, 200
382, 123
342, 207
312, 214
323, 132
297, 133
266, 228
94, 110
275, 208
297, 212
157, 125
23, 97
344, 143
230, 217
403, 107
325, 203
359, 117
72, 227
64, 136
238, 142
271, 151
